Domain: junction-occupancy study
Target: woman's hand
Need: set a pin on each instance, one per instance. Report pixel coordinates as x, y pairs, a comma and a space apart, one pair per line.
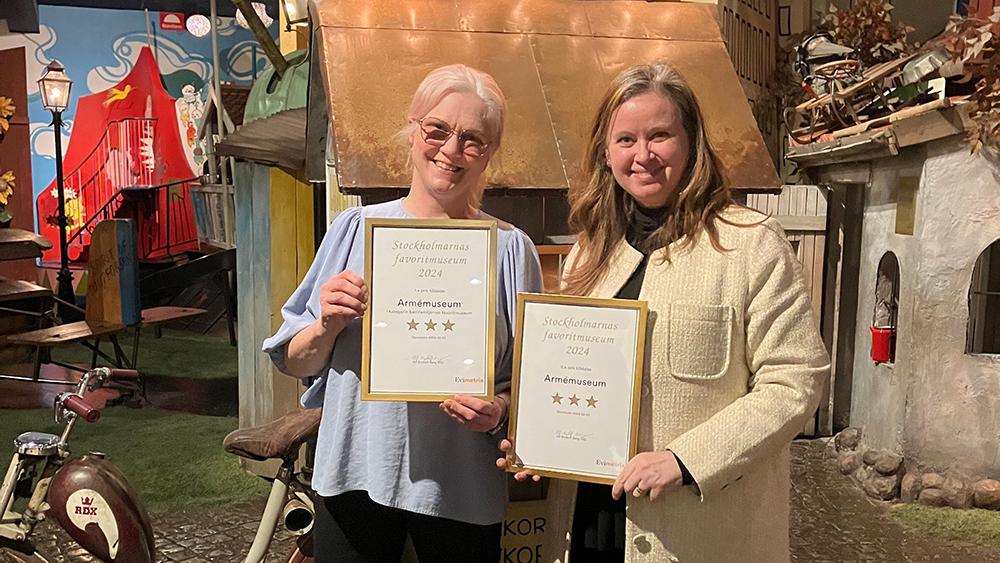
476, 414
342, 298
650, 473
506, 447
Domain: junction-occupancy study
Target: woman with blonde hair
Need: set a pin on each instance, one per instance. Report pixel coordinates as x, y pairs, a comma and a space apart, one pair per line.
385, 471
734, 361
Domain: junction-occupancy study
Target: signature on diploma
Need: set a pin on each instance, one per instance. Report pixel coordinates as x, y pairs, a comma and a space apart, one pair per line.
572, 435
429, 359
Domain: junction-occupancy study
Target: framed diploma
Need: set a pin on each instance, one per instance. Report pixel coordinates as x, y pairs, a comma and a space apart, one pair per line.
577, 375
429, 328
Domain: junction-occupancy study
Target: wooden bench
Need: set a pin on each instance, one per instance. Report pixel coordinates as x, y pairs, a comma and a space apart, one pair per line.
90, 332
112, 304
23, 305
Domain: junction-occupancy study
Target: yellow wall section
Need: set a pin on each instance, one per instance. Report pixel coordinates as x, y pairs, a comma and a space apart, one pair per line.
292, 252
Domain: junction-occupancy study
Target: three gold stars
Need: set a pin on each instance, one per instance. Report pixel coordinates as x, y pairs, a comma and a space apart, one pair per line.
574, 400
412, 324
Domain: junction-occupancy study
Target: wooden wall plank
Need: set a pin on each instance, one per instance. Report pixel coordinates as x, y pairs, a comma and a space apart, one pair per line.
245, 302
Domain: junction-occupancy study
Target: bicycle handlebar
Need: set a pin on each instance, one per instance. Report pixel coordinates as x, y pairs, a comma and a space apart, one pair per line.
124, 374
79, 406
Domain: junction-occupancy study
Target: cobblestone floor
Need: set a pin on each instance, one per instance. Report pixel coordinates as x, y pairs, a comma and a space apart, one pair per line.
831, 520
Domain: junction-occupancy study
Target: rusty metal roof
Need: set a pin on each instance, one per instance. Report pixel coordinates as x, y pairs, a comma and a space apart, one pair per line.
552, 58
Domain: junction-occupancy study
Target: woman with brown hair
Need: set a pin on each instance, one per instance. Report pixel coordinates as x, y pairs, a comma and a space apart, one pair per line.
734, 361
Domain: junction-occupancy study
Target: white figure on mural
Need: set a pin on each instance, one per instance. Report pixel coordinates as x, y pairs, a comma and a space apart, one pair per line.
190, 109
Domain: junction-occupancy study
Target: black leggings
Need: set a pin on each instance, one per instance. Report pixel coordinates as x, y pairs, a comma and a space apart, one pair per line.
351, 528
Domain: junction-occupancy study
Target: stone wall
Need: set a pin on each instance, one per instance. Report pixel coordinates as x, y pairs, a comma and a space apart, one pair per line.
936, 405
883, 475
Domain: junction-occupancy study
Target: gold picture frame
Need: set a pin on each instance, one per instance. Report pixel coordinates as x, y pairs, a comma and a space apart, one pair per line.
449, 275
546, 437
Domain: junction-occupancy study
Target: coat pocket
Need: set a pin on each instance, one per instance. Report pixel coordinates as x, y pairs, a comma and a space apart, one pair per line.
700, 340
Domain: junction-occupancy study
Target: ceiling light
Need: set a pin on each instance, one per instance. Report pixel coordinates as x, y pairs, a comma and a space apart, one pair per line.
198, 25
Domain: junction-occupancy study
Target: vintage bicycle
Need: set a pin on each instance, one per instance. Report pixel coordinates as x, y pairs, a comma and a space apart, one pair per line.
90, 498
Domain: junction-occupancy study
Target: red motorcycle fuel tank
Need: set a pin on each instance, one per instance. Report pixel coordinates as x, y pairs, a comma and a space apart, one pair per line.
94, 503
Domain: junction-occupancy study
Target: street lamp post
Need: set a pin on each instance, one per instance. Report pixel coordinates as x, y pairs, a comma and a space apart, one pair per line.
54, 87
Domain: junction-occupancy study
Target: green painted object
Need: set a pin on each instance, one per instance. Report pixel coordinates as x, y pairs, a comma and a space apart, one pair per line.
271, 94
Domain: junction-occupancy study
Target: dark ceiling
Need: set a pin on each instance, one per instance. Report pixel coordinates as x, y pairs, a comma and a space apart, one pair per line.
224, 7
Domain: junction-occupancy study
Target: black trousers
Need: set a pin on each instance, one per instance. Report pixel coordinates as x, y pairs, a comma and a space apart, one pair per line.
351, 528
598, 526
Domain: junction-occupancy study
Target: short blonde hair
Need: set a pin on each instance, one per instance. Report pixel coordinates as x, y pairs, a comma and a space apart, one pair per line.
458, 78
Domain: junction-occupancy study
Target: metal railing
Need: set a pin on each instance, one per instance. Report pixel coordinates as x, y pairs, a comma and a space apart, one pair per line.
118, 179
123, 157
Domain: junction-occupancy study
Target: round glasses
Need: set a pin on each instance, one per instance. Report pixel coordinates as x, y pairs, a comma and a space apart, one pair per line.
437, 133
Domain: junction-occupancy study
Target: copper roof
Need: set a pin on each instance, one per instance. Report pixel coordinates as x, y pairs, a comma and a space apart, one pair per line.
552, 58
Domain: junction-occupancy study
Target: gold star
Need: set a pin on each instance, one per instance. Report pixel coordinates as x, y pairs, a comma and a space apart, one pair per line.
448, 325
412, 324
557, 399
430, 325
592, 402
574, 399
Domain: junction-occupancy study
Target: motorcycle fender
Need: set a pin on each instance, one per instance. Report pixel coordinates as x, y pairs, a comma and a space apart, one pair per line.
91, 499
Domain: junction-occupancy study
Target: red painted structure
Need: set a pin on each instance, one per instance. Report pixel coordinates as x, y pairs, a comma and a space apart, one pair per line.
125, 160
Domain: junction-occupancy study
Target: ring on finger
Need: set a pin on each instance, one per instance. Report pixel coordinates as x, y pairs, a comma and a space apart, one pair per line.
638, 492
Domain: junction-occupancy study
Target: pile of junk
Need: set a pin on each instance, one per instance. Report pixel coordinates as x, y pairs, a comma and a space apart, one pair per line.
846, 97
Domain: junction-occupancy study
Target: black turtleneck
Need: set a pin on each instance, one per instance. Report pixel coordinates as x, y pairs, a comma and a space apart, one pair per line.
642, 223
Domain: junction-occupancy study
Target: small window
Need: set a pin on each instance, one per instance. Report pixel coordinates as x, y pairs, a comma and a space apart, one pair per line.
886, 292
983, 336
884, 315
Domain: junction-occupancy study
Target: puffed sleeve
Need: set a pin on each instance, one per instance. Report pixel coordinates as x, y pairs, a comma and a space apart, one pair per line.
787, 362
302, 308
519, 270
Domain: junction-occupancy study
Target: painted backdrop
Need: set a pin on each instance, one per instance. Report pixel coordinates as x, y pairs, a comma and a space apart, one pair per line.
100, 47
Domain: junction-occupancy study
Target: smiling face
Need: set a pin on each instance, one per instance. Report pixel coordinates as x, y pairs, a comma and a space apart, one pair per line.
648, 148
445, 172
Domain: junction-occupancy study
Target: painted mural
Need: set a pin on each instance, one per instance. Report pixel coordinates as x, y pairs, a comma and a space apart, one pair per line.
128, 157
98, 60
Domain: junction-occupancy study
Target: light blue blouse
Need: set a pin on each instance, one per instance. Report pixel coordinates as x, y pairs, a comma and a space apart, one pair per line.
405, 455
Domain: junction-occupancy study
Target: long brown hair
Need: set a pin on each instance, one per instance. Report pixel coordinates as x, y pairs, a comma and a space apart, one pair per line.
600, 210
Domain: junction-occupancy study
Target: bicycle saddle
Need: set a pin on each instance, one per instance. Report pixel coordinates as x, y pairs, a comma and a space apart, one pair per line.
279, 439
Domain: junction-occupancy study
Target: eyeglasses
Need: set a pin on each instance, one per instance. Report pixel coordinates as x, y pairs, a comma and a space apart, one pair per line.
437, 133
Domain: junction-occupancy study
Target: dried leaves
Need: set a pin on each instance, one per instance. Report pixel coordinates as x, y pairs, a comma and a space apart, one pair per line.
974, 46
867, 27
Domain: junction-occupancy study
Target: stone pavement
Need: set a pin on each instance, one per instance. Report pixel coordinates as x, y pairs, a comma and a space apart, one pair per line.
831, 520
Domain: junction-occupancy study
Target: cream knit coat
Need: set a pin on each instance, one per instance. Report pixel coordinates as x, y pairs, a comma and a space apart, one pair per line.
734, 368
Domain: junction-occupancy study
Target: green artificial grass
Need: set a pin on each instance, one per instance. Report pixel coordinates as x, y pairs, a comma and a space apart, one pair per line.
176, 353
976, 525
174, 460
